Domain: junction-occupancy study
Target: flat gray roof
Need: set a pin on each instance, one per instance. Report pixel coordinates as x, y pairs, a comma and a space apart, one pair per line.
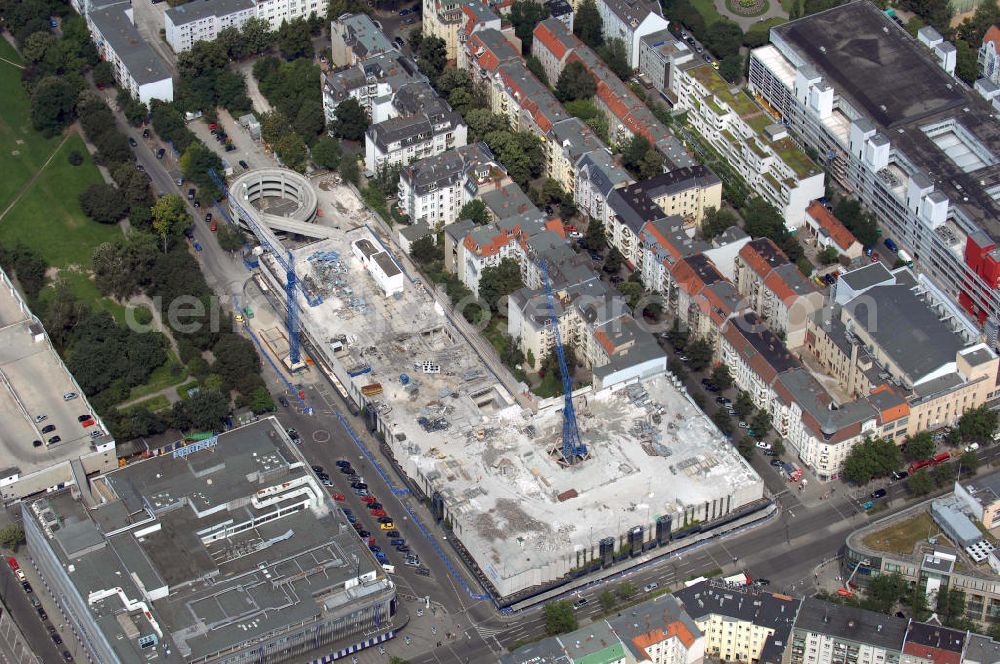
199, 9
851, 624
906, 328
144, 65
269, 573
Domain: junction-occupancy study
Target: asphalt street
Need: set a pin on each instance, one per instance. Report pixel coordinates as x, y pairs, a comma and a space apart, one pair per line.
19, 604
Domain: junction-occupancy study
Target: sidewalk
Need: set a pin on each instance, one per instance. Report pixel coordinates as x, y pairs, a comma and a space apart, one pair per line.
56, 615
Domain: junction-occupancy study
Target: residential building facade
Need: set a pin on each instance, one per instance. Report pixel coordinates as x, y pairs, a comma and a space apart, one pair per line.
137, 68
989, 55
740, 623
660, 54
774, 288
202, 21
355, 38
628, 116
433, 190
420, 125
826, 633
827, 231
771, 163
630, 21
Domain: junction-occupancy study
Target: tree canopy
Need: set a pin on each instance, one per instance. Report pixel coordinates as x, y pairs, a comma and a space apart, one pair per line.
103, 203
499, 281
875, 457
587, 24
352, 120
475, 210
525, 15
575, 82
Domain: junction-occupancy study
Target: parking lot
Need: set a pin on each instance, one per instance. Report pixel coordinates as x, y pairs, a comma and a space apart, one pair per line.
247, 149
369, 516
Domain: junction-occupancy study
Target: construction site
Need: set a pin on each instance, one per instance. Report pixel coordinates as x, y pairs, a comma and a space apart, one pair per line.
657, 473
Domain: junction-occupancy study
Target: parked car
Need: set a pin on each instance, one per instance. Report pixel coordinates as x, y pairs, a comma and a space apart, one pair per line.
375, 505
54, 439
245, 166
402, 548
84, 417
48, 428
762, 445
775, 462
132, 142
69, 396
878, 493
42, 614
283, 401
650, 587
397, 541
580, 603
367, 499
145, 133
339, 497
230, 147
899, 475
27, 587
378, 512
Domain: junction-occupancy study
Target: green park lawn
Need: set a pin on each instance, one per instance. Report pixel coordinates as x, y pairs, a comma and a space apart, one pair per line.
16, 133
48, 217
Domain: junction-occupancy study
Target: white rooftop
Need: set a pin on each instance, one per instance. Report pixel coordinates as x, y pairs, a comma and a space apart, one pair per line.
457, 430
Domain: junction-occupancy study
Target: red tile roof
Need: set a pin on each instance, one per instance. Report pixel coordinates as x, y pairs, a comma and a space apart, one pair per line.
843, 237
993, 35
550, 41
652, 637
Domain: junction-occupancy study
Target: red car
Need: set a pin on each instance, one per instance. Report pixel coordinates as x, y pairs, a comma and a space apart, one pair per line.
378, 512
13, 563
368, 499
570, 228
213, 126
339, 497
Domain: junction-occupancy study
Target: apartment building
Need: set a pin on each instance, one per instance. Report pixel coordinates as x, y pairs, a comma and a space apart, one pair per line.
774, 288
826, 633
470, 249
422, 125
628, 116
597, 175
825, 230
432, 191
594, 320
446, 19
137, 67
276, 12
772, 164
566, 144
629, 209
630, 21
658, 632
740, 623
476, 16
704, 300
562, 10
687, 192
203, 20
918, 148
372, 83
660, 54
927, 643
989, 55
355, 38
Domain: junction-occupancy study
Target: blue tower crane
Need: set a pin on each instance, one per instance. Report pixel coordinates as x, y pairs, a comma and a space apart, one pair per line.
284, 259
573, 449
